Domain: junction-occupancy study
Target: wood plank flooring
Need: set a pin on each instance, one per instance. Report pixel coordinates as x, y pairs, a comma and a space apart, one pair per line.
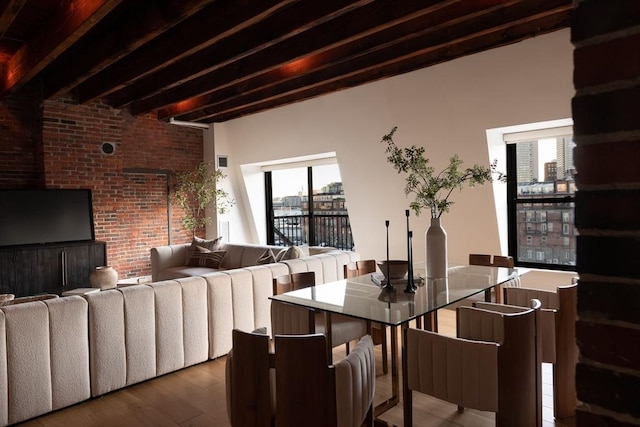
195, 397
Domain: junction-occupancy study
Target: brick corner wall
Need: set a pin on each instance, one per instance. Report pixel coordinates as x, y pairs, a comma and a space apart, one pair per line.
606, 112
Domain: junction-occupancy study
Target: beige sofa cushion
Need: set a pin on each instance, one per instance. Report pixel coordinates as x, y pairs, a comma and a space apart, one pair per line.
28, 361
219, 297
169, 328
69, 343
140, 332
194, 320
107, 351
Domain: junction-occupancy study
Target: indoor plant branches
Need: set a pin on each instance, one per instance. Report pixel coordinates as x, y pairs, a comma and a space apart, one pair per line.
432, 191
195, 190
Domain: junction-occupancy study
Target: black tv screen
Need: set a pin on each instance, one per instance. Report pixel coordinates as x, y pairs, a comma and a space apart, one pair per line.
45, 216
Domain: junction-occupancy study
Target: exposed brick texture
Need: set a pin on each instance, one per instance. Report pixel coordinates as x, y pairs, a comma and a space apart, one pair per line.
600, 164
598, 17
622, 62
20, 143
609, 344
585, 419
607, 157
614, 391
60, 145
613, 209
609, 300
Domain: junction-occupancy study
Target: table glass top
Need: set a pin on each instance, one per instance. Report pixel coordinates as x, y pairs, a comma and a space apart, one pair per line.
363, 298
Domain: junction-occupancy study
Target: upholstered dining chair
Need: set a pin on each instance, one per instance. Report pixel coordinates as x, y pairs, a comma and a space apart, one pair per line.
558, 316
492, 365
496, 261
341, 396
378, 330
287, 319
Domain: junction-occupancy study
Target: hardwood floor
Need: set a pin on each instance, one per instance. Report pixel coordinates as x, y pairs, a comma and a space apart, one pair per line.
196, 397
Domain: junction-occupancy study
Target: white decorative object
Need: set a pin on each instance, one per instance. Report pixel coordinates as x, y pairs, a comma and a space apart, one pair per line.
436, 250
104, 277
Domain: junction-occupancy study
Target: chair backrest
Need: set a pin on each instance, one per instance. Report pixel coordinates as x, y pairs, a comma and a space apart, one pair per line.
488, 260
249, 389
503, 261
481, 373
359, 268
559, 315
293, 281
479, 259
308, 390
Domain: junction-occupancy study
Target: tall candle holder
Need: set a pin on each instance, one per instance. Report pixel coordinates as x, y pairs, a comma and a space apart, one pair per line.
410, 288
388, 286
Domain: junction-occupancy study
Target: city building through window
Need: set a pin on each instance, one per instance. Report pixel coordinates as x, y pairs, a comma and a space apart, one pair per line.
306, 205
540, 198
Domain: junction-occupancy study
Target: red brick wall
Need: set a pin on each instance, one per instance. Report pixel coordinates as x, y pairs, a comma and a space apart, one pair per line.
606, 112
20, 143
58, 145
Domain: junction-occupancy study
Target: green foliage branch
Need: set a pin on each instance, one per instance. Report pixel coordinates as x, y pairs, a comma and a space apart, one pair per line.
195, 190
432, 190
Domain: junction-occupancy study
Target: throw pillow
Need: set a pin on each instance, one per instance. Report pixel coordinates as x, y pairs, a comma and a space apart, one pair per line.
202, 257
267, 257
197, 242
287, 253
302, 250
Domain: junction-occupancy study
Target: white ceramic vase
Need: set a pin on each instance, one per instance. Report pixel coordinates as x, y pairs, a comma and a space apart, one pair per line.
104, 277
436, 250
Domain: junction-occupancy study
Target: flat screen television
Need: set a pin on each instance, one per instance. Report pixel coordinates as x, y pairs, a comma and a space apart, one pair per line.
45, 216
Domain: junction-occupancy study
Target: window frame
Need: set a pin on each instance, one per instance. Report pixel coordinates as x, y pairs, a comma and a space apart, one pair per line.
513, 203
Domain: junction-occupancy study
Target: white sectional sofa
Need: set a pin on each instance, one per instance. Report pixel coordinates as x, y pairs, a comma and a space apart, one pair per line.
61, 351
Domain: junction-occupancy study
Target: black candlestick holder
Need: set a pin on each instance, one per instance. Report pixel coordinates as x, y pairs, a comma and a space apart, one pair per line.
388, 286
410, 288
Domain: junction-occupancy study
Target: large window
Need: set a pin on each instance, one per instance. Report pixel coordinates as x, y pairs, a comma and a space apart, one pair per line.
541, 191
306, 205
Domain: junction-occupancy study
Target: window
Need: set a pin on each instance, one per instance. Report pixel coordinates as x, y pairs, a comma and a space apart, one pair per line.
306, 205
540, 191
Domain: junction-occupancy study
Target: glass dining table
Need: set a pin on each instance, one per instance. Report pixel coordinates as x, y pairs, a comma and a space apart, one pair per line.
363, 297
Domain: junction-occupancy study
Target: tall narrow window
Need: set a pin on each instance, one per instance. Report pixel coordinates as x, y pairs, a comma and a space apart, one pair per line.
306, 205
541, 189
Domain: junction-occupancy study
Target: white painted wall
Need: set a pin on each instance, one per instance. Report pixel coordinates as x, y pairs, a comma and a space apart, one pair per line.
447, 108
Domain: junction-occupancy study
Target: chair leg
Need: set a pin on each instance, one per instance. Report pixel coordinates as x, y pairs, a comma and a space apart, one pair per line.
346, 346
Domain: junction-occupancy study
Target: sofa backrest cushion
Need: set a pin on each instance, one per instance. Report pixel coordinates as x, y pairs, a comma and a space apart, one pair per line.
107, 351
4, 393
169, 328
69, 344
28, 361
194, 320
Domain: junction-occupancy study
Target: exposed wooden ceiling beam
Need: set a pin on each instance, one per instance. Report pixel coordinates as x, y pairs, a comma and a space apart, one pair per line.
372, 18
269, 32
310, 86
381, 30
9, 13
136, 26
72, 20
221, 19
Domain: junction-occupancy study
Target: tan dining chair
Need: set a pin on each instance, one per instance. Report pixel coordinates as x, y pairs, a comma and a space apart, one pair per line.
558, 315
378, 330
487, 260
494, 354
287, 319
341, 396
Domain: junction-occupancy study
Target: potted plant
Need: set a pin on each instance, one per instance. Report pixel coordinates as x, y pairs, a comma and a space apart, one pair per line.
195, 190
432, 191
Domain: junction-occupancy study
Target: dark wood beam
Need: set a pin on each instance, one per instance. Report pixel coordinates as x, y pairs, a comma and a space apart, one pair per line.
214, 23
278, 27
9, 13
346, 77
381, 31
137, 24
72, 20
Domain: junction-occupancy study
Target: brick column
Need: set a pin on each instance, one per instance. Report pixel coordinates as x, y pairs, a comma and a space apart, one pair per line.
606, 112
